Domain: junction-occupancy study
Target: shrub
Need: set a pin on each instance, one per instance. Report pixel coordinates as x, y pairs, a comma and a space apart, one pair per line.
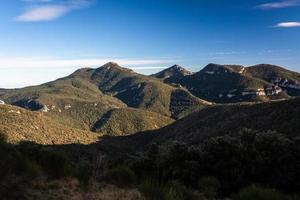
259, 193
121, 176
56, 165
209, 186
33, 169
153, 190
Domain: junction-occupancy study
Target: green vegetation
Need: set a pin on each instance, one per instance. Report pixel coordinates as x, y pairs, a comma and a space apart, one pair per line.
132, 121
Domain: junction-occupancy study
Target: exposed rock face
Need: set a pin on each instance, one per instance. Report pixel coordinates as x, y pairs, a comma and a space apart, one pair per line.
45, 109
2, 102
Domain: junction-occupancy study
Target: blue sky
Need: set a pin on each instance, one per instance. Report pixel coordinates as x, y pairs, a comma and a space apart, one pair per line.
42, 40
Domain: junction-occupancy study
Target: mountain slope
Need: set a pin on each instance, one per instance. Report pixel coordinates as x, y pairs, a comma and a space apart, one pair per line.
139, 91
133, 121
71, 101
22, 125
281, 116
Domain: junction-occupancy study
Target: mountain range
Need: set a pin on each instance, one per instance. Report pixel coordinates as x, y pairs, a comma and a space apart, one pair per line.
112, 100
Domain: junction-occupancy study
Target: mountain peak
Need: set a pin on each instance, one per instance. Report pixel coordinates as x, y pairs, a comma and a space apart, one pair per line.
115, 66
217, 68
176, 71
111, 64
179, 69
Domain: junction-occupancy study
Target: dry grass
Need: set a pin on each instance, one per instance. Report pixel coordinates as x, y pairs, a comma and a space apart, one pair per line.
69, 189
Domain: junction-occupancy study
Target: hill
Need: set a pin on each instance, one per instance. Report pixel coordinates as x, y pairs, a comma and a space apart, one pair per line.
287, 80
84, 99
126, 121
281, 116
139, 91
235, 83
22, 125
71, 101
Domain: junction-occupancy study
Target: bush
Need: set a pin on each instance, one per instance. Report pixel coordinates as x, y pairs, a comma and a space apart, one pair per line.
209, 186
121, 176
174, 190
259, 193
153, 190
29, 167
56, 165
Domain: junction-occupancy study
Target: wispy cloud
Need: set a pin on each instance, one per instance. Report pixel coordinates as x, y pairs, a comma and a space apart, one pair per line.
73, 63
279, 4
47, 10
287, 25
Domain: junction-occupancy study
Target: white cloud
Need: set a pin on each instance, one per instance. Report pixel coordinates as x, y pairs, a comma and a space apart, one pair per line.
287, 25
62, 63
280, 4
47, 10
43, 13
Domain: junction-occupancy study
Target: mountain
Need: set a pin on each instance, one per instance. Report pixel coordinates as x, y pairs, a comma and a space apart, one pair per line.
287, 80
139, 91
172, 75
84, 99
235, 83
72, 101
19, 125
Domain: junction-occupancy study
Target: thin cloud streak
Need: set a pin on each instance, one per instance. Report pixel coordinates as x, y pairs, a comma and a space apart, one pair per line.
51, 63
280, 4
287, 25
48, 11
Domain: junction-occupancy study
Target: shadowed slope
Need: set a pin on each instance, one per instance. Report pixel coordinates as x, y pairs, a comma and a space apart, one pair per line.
281, 116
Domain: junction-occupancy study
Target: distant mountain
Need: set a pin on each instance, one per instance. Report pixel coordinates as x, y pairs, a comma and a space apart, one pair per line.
139, 91
98, 99
235, 83
287, 80
173, 74
84, 99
